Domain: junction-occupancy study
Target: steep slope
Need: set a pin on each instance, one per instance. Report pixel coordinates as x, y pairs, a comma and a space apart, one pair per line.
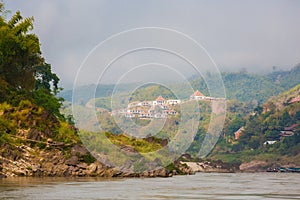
35, 138
271, 134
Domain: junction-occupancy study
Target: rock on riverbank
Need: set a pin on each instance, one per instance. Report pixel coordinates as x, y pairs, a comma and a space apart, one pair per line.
208, 166
27, 161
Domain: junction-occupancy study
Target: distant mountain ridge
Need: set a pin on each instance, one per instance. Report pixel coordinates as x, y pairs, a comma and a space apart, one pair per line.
244, 87
286, 79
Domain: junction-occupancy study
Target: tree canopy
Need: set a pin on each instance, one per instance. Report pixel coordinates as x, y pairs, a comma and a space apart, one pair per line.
23, 70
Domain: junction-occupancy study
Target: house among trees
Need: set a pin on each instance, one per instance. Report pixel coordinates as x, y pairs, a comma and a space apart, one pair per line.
286, 133
238, 133
291, 128
270, 142
197, 96
294, 100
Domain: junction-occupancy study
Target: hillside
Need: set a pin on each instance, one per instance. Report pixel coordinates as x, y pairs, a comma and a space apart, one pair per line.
269, 123
36, 139
249, 87
246, 87
271, 134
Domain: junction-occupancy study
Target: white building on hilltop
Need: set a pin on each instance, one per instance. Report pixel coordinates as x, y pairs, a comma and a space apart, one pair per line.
197, 96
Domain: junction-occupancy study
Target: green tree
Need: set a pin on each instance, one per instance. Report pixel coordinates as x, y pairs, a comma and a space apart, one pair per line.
24, 74
46, 79
234, 125
285, 119
251, 136
297, 115
21, 63
19, 51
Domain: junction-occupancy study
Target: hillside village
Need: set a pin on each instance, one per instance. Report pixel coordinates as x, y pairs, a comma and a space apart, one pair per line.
159, 108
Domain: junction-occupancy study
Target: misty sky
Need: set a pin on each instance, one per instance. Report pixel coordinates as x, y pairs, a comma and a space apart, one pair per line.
253, 34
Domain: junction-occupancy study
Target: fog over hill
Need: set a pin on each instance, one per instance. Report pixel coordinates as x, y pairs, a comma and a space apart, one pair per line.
242, 86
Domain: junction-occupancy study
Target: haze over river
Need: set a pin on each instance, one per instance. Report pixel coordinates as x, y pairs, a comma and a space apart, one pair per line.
200, 186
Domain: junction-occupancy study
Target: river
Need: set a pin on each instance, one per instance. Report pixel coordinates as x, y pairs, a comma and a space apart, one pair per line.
199, 186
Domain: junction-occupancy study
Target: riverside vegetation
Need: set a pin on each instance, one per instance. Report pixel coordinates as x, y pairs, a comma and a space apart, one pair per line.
36, 139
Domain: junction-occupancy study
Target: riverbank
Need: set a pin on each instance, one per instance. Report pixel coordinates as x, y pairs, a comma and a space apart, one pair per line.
73, 162
76, 161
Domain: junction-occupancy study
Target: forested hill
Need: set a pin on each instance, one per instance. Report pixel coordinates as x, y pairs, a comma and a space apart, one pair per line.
286, 79
279, 114
271, 133
242, 86
247, 87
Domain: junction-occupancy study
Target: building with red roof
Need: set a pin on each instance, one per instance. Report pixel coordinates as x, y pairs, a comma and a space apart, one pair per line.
295, 100
197, 95
238, 133
159, 101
